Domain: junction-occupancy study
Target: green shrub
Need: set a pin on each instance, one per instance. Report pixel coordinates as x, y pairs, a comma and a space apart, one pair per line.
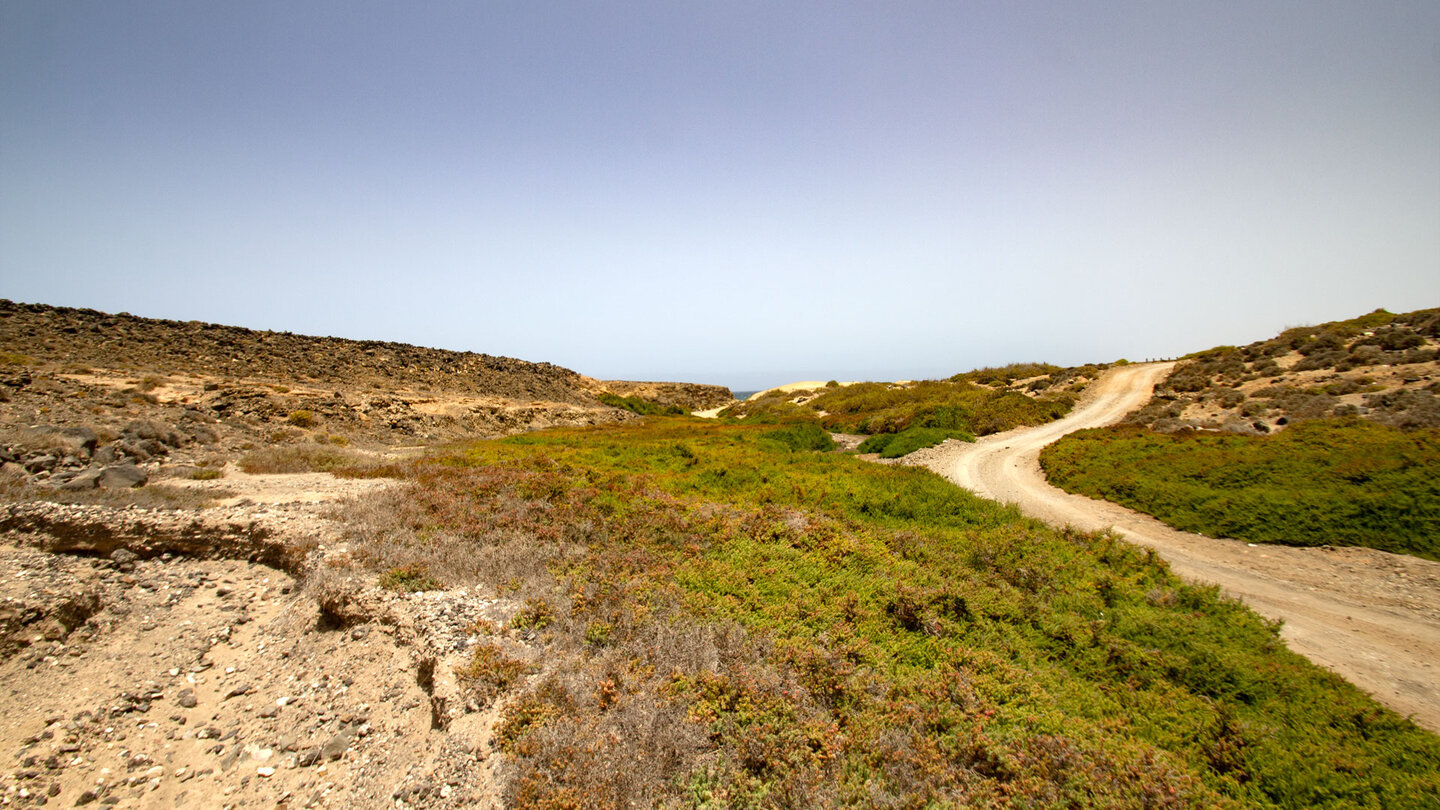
895, 445
884, 408
598, 633
301, 419
410, 578
536, 615
956, 404
803, 436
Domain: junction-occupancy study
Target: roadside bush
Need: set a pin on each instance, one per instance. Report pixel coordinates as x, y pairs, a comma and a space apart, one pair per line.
1319, 482
1006, 375
895, 445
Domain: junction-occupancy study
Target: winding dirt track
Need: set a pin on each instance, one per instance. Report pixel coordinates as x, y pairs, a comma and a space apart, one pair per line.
1369, 616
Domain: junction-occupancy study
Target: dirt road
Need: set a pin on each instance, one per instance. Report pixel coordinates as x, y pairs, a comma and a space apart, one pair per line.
1370, 616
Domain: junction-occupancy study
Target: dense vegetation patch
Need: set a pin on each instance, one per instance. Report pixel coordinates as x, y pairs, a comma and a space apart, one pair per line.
972, 404
731, 623
1323, 482
802, 436
887, 408
644, 407
907, 441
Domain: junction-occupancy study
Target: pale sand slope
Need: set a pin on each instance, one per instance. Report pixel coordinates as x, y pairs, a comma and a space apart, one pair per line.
1370, 616
803, 385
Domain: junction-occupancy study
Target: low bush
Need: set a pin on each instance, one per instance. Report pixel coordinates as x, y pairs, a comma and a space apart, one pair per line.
895, 445
411, 578
488, 673
301, 419
883, 408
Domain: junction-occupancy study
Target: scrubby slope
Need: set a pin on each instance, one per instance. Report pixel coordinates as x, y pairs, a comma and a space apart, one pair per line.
977, 402
1382, 367
730, 621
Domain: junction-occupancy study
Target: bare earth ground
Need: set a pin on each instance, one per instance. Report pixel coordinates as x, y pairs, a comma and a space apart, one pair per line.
1371, 616
207, 677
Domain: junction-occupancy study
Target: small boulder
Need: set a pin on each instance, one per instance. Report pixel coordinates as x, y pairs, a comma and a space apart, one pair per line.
122, 476
123, 557
153, 431
63, 441
336, 746
88, 479
41, 462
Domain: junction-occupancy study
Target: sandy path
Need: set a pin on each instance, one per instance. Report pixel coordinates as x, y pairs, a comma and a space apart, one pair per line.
1370, 616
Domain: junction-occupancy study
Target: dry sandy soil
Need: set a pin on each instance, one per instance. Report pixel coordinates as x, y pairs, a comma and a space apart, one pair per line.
1370, 616
174, 658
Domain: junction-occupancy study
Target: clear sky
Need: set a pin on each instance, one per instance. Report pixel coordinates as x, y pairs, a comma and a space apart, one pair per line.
743, 193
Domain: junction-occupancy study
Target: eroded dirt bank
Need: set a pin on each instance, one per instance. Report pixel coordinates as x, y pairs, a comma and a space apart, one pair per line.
178, 660
1370, 616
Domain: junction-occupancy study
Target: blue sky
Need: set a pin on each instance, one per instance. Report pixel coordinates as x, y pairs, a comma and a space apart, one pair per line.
742, 193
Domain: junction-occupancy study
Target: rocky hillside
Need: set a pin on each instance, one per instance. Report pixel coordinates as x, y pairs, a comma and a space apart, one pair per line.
90, 399
1383, 367
688, 396
76, 339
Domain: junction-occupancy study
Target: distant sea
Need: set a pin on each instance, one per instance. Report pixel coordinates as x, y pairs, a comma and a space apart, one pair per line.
743, 394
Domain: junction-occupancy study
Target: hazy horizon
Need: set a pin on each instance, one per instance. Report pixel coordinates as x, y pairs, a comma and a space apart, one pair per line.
742, 194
